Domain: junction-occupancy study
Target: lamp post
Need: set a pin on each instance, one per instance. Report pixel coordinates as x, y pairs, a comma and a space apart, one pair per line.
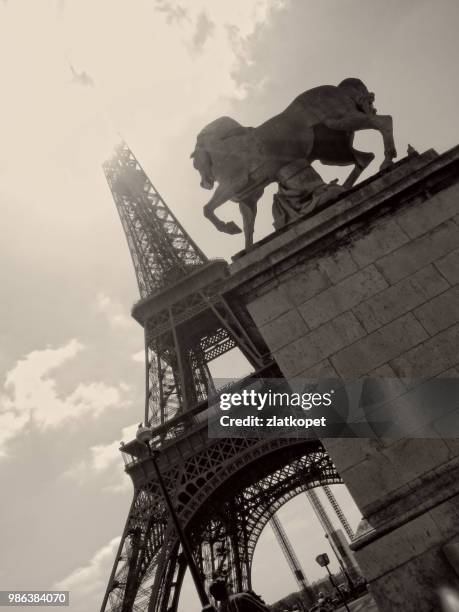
340, 560
324, 561
144, 435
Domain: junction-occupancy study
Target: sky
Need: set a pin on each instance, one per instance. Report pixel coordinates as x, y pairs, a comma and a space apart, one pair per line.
75, 73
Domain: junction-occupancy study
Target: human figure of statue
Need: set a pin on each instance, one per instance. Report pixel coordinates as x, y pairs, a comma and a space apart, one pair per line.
318, 125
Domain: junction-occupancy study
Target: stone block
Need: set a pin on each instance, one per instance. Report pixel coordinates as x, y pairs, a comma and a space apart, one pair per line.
440, 312
453, 445
269, 306
419, 252
379, 347
421, 217
380, 240
370, 480
449, 373
283, 330
449, 267
448, 425
324, 369
430, 358
341, 297
338, 265
413, 457
307, 282
399, 546
413, 411
318, 344
446, 517
385, 387
411, 586
347, 452
400, 298
383, 371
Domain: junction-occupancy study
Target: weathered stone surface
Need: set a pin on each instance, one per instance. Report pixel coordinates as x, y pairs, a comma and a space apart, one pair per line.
449, 373
283, 330
308, 282
449, 267
400, 298
338, 265
426, 215
440, 312
341, 297
448, 426
319, 344
379, 347
411, 409
452, 443
446, 517
369, 480
431, 357
393, 386
413, 460
324, 369
381, 240
269, 306
397, 331
352, 452
413, 586
383, 371
399, 546
420, 252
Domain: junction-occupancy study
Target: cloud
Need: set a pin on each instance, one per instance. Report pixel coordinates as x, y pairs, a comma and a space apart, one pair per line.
87, 583
11, 425
174, 13
104, 458
81, 78
139, 357
30, 394
204, 28
114, 313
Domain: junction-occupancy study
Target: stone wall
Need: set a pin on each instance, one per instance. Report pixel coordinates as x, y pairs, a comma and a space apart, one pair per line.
368, 286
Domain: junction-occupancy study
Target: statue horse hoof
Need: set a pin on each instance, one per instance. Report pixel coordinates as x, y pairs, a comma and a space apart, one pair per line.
387, 163
231, 228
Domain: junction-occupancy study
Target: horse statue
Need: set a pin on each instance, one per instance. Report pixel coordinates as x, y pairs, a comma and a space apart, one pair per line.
318, 125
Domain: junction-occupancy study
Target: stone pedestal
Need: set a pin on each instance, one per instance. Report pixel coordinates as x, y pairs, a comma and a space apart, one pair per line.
368, 286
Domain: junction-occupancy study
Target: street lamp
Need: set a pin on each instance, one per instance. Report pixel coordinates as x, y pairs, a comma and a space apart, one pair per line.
324, 561
145, 435
335, 549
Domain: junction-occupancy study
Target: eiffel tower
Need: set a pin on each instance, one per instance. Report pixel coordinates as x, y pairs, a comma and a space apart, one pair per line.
224, 491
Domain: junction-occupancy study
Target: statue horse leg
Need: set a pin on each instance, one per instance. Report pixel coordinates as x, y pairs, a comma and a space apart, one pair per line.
248, 213
354, 122
248, 208
223, 193
362, 160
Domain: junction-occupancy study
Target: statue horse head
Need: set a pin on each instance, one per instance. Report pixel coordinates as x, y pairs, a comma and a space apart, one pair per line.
203, 164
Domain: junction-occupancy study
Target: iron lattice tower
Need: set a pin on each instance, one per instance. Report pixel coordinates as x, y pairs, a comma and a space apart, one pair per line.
338, 511
289, 553
333, 535
163, 254
224, 490
160, 248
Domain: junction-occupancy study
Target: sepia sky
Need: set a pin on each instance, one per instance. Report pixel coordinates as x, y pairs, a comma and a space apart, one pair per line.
74, 73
